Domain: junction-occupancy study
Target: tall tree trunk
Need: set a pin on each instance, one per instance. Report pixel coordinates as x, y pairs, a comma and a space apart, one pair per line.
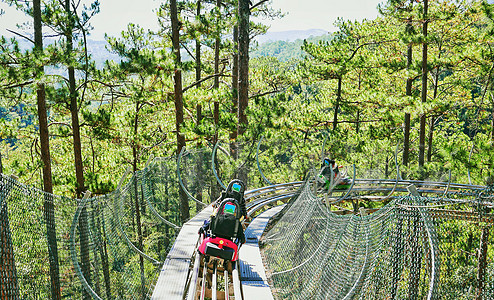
433, 120
337, 106
199, 163
136, 193
357, 127
406, 142
234, 107
49, 210
424, 86
179, 105
430, 138
492, 125
198, 47
243, 64
482, 265
492, 118
216, 117
217, 42
76, 135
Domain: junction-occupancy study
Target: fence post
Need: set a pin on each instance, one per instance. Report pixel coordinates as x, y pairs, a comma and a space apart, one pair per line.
184, 199
51, 238
9, 288
84, 244
415, 251
484, 240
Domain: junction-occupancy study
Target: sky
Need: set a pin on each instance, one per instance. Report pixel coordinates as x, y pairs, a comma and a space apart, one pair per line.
301, 15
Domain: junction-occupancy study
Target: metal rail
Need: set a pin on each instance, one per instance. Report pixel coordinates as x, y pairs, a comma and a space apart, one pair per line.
179, 175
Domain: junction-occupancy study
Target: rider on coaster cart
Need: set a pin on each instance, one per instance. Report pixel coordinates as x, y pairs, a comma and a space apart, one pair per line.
223, 232
339, 182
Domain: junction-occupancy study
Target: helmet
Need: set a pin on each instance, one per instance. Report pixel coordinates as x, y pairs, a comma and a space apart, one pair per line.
235, 189
328, 162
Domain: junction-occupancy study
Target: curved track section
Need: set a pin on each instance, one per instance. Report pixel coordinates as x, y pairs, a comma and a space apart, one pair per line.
185, 274
209, 279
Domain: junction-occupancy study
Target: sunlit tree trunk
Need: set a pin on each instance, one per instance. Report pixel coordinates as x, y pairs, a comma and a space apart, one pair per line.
217, 42
337, 105
243, 64
76, 135
424, 87
234, 105
406, 140
179, 105
198, 47
136, 198
49, 210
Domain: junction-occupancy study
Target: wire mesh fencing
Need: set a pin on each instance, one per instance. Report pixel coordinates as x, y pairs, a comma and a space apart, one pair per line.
35, 242
105, 247
112, 246
413, 247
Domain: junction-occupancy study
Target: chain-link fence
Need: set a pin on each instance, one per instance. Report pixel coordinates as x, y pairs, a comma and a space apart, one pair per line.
413, 247
111, 246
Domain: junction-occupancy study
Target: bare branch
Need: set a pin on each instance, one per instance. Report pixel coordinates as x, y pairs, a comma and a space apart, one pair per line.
258, 4
21, 35
202, 80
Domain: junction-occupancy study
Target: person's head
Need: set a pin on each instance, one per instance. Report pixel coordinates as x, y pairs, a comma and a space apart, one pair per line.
235, 189
329, 162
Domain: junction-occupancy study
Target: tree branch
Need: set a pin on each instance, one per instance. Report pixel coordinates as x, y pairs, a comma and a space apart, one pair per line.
264, 94
21, 35
258, 4
202, 80
18, 85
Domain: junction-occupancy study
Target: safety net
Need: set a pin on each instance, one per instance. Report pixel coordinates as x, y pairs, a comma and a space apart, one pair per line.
413, 247
112, 246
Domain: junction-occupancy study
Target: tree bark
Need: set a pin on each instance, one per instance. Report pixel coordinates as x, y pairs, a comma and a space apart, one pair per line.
179, 105
199, 162
136, 198
429, 141
217, 42
198, 48
424, 86
406, 143
243, 64
234, 107
406, 140
337, 106
216, 116
49, 210
76, 135
492, 126
177, 77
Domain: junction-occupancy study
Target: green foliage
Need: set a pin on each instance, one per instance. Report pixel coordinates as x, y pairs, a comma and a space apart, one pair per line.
127, 108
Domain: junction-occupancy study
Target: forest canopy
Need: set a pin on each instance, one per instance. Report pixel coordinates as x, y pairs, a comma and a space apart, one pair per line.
419, 76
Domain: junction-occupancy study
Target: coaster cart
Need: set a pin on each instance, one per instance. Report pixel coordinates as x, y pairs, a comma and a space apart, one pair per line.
218, 257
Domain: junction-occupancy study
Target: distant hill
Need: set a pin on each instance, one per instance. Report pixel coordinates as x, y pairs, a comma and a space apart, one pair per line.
286, 50
97, 49
289, 36
284, 45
